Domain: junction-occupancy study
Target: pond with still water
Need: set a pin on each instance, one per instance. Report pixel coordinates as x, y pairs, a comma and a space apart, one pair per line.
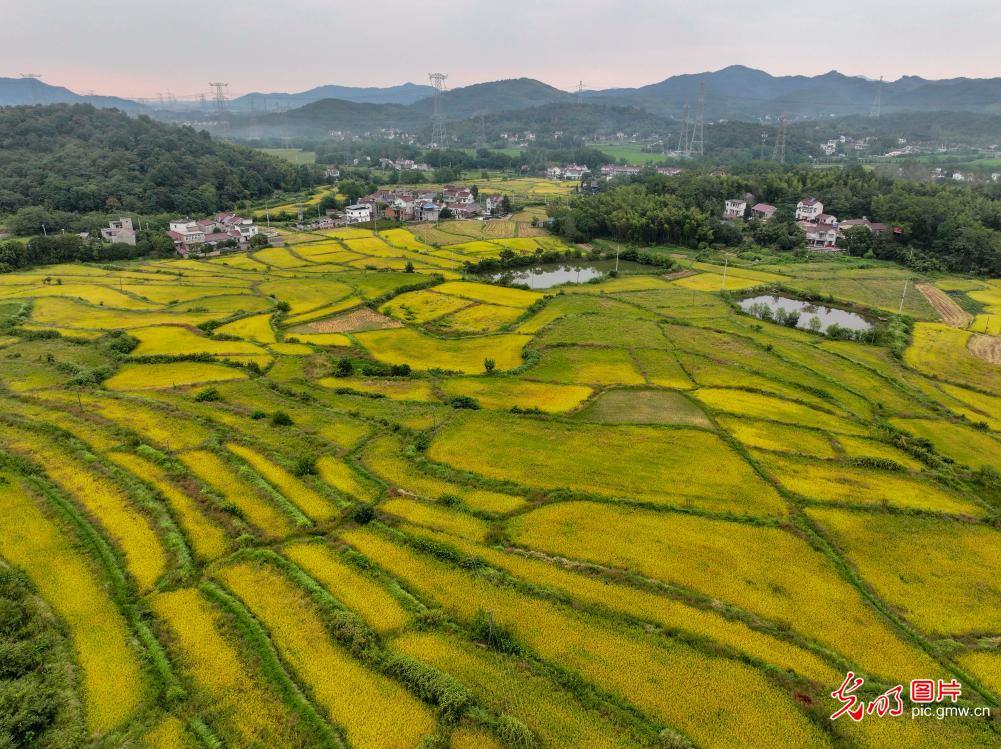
827, 316
548, 275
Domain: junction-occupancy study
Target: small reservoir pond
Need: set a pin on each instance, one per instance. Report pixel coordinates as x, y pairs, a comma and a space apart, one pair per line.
827, 316
553, 274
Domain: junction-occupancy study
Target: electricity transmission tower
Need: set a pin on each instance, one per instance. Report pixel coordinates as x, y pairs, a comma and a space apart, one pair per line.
779, 152
32, 79
220, 94
438, 118
580, 92
877, 103
683, 144
697, 144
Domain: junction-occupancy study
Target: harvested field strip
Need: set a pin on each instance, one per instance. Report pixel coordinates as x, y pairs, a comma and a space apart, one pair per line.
111, 678
626, 663
946, 307
110, 505
348, 585
322, 312
306, 499
392, 719
986, 347
634, 603
383, 456
239, 703
759, 569
206, 537
218, 474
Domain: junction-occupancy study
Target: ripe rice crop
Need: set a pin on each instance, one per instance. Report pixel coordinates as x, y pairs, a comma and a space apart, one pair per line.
986, 408
291, 349
303, 297
941, 351
504, 392
403, 390
60, 312
480, 318
471, 738
371, 246
663, 466
171, 293
322, 312
826, 482
347, 232
338, 474
467, 355
879, 293
169, 733
171, 374
622, 285
374, 712
951, 588
593, 366
207, 539
254, 328
217, 473
758, 406
711, 374
239, 703
278, 257
111, 679
718, 691
344, 582
92, 294
985, 665
779, 437
437, 518
860, 447
562, 305
174, 341
662, 368
505, 685
738, 272
667, 612
422, 306
490, 294
403, 238
959, 442
306, 499
324, 339
716, 282
766, 571
382, 455
104, 501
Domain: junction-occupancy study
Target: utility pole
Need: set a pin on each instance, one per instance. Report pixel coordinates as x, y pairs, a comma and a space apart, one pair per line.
697, 145
779, 152
903, 296
764, 140
726, 262
580, 93
877, 103
438, 118
220, 95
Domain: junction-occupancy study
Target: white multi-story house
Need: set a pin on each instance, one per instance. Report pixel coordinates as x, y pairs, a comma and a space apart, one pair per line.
357, 214
734, 208
575, 172
187, 231
120, 232
820, 236
809, 209
554, 172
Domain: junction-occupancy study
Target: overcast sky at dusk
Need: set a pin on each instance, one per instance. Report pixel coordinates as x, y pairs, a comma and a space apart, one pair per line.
139, 48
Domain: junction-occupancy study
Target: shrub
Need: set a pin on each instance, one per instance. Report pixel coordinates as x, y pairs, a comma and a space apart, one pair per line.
363, 514
344, 368
208, 394
257, 415
499, 637
305, 465
281, 419
464, 401
489, 365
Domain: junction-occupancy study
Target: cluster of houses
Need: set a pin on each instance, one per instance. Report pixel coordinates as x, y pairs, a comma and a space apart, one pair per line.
209, 233
822, 230
576, 172
404, 204
404, 165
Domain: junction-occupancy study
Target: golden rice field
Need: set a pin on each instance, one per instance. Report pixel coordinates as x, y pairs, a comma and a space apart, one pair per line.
313, 497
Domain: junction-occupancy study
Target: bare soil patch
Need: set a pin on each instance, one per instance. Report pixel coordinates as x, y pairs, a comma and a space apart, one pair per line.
355, 321
950, 312
986, 347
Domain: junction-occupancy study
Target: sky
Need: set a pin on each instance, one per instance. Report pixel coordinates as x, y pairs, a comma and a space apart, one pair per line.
139, 48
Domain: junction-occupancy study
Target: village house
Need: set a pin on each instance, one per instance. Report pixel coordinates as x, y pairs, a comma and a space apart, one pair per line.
809, 209
762, 211
872, 226
430, 212
575, 172
120, 232
669, 171
820, 236
453, 195
826, 218
734, 208
554, 172
612, 171
357, 214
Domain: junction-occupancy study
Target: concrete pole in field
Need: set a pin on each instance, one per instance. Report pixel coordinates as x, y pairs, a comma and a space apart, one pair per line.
903, 296
726, 262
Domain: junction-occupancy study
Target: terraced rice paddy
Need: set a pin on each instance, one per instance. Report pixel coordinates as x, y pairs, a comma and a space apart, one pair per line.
281, 499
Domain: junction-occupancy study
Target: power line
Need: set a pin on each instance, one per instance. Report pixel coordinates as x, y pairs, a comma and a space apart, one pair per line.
697, 146
438, 118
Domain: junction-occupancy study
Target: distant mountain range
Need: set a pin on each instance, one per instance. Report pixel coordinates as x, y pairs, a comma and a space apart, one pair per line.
736, 92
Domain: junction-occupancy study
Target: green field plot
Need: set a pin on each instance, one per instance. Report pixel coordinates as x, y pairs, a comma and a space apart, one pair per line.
645, 407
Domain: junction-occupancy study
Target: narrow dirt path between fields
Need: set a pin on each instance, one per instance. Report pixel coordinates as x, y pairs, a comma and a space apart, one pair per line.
950, 312
986, 347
